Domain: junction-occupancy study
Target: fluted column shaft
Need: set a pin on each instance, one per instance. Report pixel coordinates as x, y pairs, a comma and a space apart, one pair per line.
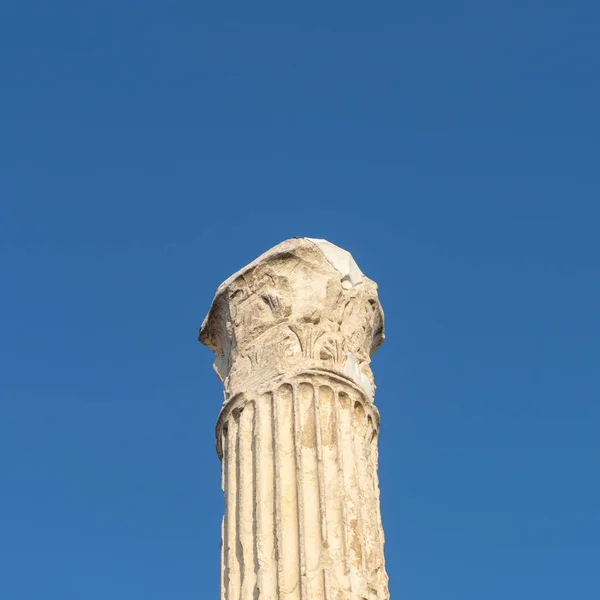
297, 435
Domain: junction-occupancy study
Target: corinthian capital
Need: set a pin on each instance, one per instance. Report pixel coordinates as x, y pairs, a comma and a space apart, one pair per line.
303, 306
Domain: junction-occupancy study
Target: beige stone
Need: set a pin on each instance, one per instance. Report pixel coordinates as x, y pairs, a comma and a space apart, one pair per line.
293, 333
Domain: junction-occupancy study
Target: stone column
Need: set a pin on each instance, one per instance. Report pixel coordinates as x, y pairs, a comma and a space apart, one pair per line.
293, 333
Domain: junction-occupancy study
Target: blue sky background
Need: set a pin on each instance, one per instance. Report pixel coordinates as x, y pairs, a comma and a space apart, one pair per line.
148, 150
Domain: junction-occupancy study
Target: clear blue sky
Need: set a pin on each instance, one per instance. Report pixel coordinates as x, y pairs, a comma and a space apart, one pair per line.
148, 150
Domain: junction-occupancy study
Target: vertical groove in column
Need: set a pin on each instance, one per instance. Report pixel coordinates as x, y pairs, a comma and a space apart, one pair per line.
370, 514
309, 484
381, 574
232, 567
375, 559
321, 483
222, 569
341, 536
246, 501
299, 490
265, 499
365, 490
223, 534
289, 560
277, 490
238, 541
351, 496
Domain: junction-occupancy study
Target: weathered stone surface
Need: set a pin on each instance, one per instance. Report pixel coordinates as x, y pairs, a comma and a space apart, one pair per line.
293, 333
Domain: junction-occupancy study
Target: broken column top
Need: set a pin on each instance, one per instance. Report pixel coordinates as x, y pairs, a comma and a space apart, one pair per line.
303, 305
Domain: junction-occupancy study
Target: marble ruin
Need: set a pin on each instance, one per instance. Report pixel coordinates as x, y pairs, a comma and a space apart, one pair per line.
293, 333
